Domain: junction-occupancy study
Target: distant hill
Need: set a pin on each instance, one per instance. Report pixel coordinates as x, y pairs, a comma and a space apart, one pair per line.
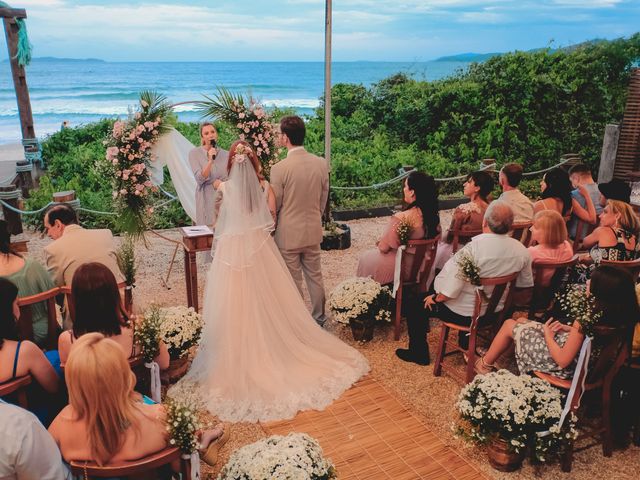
467, 57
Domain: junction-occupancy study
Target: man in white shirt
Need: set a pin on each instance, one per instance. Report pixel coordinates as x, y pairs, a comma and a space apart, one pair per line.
522, 206
495, 253
27, 451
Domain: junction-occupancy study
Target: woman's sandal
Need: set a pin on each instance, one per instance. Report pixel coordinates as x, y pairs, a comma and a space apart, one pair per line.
210, 455
482, 368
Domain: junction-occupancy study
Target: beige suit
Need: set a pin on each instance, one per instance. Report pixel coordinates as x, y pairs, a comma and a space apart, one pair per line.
301, 186
77, 246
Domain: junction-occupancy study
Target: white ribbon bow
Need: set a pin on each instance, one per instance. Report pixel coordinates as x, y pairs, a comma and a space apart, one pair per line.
397, 272
194, 459
155, 381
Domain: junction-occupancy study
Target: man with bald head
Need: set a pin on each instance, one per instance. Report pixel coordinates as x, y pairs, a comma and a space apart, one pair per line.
495, 253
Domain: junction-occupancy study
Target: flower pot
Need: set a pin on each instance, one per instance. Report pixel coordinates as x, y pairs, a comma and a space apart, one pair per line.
502, 458
338, 240
177, 368
362, 331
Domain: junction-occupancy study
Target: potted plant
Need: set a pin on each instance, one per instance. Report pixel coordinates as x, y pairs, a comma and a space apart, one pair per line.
295, 456
510, 413
361, 302
180, 330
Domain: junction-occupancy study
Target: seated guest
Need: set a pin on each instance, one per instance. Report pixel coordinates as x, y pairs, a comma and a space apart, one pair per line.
97, 308
614, 190
617, 236
74, 245
20, 358
27, 451
495, 253
30, 277
509, 179
422, 212
106, 421
468, 216
550, 232
556, 193
580, 176
552, 347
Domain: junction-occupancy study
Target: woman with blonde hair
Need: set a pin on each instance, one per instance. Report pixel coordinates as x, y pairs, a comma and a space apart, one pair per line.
617, 236
549, 231
106, 421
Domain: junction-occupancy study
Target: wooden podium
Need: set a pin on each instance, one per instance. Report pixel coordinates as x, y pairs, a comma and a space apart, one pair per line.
195, 239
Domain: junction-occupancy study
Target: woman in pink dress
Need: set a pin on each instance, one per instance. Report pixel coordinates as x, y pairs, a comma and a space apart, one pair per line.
549, 230
422, 212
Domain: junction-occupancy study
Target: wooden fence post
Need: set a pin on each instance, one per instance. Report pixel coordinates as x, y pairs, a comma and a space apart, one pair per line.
12, 195
609, 152
24, 180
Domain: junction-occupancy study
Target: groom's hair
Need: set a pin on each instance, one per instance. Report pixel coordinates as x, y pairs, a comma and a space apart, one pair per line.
293, 127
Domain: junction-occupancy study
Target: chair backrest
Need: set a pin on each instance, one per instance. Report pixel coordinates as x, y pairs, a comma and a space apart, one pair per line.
461, 237
610, 349
87, 470
424, 254
16, 385
499, 284
582, 230
632, 266
25, 322
543, 293
521, 232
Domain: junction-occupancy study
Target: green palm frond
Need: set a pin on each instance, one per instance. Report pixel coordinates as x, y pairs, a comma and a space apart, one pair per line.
222, 106
157, 107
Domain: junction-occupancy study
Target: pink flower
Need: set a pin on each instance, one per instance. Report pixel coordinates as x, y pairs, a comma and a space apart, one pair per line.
241, 115
123, 192
144, 104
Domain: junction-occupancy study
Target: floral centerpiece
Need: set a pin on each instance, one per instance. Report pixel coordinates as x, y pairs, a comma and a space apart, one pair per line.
128, 154
181, 329
250, 118
295, 456
360, 302
511, 413
580, 307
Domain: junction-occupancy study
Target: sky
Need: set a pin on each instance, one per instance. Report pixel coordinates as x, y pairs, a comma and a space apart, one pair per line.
282, 30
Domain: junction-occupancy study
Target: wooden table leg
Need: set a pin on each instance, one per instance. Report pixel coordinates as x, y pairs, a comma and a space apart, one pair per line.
188, 274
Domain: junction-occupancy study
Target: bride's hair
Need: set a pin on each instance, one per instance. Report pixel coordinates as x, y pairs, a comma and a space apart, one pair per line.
245, 149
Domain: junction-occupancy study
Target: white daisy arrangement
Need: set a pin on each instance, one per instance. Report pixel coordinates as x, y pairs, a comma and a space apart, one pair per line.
296, 456
524, 411
182, 425
360, 298
181, 329
147, 333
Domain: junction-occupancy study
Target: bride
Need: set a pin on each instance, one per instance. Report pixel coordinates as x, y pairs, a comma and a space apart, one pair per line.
262, 356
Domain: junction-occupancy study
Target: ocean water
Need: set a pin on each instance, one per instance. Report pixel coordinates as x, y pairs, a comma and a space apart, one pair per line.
82, 91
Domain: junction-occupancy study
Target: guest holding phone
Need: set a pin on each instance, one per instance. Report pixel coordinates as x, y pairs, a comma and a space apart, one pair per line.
209, 166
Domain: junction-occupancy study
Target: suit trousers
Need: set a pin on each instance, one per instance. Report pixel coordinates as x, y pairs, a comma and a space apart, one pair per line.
306, 261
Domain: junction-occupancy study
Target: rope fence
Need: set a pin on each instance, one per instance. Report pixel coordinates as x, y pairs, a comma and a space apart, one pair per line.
404, 175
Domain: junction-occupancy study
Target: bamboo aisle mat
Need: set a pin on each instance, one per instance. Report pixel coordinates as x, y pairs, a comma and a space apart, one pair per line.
369, 435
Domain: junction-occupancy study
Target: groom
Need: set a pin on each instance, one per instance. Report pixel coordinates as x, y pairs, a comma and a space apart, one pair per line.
301, 186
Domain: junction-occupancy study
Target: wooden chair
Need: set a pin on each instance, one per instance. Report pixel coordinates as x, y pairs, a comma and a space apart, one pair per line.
634, 364
421, 264
543, 295
613, 344
582, 230
632, 266
521, 232
462, 237
25, 323
148, 465
500, 285
17, 387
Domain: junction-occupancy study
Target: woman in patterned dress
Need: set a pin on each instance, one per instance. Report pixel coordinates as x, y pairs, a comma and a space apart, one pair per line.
552, 347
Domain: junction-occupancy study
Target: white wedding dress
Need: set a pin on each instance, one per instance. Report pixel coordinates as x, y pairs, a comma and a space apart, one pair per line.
262, 356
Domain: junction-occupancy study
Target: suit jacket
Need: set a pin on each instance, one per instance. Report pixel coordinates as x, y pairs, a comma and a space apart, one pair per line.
301, 186
77, 246
205, 192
